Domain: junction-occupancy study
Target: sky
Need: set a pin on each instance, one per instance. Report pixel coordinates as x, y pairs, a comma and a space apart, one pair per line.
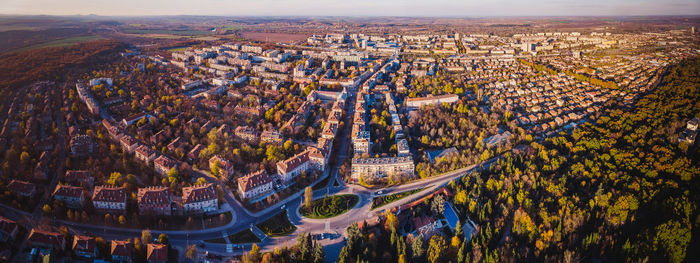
421, 8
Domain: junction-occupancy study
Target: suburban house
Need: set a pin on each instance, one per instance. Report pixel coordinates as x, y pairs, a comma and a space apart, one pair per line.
155, 200
108, 198
200, 199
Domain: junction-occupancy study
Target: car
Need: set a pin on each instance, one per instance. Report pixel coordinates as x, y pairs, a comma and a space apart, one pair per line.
380, 192
284, 206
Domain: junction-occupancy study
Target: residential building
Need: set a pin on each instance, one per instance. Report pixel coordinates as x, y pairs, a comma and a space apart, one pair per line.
47, 239
109, 199
164, 164
155, 200
200, 199
416, 103
8, 229
256, 185
128, 143
80, 178
270, 136
246, 133
381, 167
71, 196
225, 167
84, 246
81, 145
146, 154
22, 188
122, 250
292, 167
157, 253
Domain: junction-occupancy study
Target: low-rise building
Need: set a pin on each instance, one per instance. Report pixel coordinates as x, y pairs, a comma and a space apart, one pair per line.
154, 200
84, 246
71, 196
8, 229
294, 166
81, 145
416, 103
200, 199
22, 188
270, 136
109, 199
79, 177
164, 164
146, 154
122, 250
47, 239
381, 167
157, 253
225, 167
255, 185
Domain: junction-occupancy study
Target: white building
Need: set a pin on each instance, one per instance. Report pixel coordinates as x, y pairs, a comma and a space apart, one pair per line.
200, 199
107, 198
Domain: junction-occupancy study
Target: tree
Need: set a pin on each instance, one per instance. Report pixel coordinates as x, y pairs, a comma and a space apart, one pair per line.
672, 239
392, 222
122, 220
191, 252
201, 181
215, 168
436, 249
146, 236
308, 197
438, 205
255, 252
46, 209
163, 238
417, 248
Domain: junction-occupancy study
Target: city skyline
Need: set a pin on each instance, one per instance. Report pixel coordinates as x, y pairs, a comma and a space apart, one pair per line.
439, 8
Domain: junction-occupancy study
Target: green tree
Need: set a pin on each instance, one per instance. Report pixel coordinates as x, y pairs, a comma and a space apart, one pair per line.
146, 236
163, 238
308, 197
672, 239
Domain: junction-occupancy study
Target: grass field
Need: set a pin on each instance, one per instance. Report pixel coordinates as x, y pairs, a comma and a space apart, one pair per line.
383, 200
330, 206
277, 225
62, 42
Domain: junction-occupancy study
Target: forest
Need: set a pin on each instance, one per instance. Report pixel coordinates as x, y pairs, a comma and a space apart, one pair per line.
619, 189
21, 68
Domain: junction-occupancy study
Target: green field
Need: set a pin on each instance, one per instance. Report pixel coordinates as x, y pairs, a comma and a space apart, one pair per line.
329, 206
277, 225
62, 42
383, 200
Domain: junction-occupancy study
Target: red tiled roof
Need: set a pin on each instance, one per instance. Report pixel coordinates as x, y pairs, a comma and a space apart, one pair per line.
67, 190
121, 248
253, 180
154, 196
45, 237
198, 193
7, 225
294, 162
109, 194
157, 252
84, 243
21, 187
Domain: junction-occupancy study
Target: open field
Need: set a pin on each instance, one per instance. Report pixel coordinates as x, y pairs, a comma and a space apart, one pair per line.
63, 42
167, 32
274, 37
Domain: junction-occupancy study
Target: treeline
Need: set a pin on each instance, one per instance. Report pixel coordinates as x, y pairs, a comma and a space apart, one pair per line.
620, 190
55, 63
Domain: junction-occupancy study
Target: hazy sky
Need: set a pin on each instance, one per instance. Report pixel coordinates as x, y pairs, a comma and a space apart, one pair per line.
471, 8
